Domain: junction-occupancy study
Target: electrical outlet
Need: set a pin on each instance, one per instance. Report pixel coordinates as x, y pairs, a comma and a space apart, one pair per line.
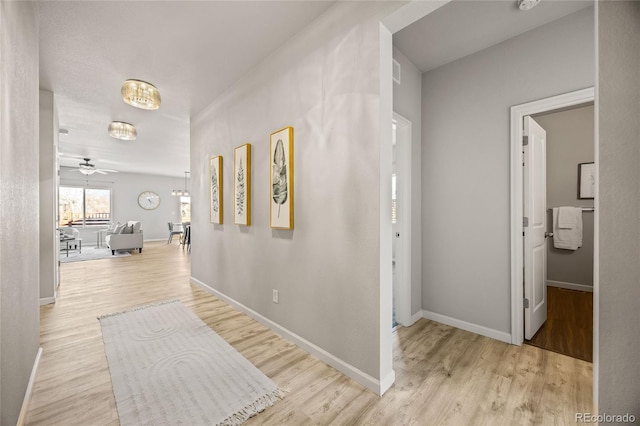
275, 296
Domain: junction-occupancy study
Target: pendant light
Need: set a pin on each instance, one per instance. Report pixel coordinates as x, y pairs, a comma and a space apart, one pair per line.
182, 192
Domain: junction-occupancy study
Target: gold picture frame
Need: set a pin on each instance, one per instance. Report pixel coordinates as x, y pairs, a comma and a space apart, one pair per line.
242, 185
281, 179
215, 189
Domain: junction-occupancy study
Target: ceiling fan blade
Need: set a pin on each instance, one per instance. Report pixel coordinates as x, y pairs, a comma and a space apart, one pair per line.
102, 172
108, 170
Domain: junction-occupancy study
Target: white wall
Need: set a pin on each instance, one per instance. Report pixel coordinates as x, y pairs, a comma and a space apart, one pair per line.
465, 162
125, 190
617, 376
407, 101
48, 172
325, 83
19, 238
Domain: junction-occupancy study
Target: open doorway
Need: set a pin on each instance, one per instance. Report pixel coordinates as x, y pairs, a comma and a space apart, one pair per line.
540, 308
401, 220
568, 281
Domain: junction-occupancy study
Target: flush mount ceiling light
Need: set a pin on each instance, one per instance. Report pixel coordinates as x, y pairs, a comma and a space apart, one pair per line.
141, 94
122, 130
527, 4
182, 192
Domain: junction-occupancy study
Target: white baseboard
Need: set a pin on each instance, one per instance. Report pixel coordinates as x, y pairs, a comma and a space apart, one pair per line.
371, 383
47, 300
474, 328
27, 394
415, 317
412, 319
385, 383
570, 286
155, 239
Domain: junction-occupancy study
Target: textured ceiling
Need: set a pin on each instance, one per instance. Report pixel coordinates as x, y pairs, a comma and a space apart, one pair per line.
191, 51
461, 28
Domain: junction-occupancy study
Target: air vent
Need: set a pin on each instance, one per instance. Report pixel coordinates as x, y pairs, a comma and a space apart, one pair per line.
396, 71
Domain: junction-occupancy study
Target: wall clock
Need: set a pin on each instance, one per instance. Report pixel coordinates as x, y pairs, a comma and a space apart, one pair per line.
148, 200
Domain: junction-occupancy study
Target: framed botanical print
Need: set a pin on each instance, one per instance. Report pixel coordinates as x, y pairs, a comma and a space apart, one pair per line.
281, 181
242, 184
586, 181
215, 189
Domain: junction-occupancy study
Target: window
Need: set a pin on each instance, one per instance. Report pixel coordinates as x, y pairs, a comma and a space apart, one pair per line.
185, 209
84, 206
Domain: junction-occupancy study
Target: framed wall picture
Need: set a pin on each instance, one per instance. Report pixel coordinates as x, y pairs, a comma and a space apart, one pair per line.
242, 184
586, 181
281, 181
215, 189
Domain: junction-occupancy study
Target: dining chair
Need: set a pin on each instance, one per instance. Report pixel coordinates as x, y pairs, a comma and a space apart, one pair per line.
174, 230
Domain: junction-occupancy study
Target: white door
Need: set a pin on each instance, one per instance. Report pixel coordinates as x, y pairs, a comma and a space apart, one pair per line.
535, 237
402, 220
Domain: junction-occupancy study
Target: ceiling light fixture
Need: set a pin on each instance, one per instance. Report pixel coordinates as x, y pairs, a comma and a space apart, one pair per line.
182, 192
140, 94
527, 4
123, 131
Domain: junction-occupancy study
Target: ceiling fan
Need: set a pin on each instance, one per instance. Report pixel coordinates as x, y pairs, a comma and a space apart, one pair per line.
87, 168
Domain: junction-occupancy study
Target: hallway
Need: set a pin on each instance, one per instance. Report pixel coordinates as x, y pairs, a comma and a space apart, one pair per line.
443, 375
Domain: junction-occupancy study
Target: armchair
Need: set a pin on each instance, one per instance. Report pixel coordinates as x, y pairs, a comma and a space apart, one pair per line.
118, 241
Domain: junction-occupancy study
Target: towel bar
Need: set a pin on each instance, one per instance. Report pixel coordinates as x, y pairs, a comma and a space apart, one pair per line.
584, 209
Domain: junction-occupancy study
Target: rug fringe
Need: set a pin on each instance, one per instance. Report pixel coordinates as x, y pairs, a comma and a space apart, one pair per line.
254, 408
151, 305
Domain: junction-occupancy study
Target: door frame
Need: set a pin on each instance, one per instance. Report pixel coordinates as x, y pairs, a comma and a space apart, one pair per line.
518, 112
403, 244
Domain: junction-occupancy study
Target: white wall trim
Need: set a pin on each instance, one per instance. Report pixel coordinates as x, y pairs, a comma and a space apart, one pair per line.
518, 112
385, 131
47, 300
386, 382
415, 317
156, 239
570, 286
29, 391
474, 328
345, 368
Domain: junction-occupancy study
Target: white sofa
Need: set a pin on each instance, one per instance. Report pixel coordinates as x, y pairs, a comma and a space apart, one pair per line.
119, 241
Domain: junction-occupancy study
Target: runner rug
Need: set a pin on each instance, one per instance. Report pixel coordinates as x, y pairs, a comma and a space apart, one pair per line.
168, 368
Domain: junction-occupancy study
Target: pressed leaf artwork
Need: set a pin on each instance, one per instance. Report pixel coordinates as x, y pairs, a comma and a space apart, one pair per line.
240, 190
215, 175
214, 190
242, 184
279, 178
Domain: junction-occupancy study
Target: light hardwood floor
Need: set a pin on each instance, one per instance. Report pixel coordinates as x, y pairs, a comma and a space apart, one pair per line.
443, 375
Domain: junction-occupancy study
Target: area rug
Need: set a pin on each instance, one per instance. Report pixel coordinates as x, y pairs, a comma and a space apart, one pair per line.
168, 368
91, 253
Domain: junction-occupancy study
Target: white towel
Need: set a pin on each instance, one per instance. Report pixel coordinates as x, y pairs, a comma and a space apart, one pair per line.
567, 236
567, 217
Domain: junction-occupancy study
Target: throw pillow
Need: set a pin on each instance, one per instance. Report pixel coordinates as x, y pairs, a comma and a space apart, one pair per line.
118, 228
127, 229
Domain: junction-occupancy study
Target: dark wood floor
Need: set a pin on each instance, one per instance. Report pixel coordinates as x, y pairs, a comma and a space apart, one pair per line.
569, 326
